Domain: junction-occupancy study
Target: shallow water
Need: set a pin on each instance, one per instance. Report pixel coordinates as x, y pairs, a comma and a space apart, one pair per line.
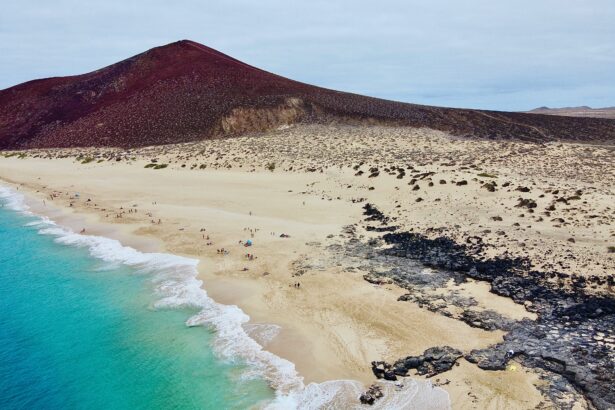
88, 323
79, 332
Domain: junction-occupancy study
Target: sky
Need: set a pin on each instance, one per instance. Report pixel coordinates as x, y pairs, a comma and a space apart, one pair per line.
496, 54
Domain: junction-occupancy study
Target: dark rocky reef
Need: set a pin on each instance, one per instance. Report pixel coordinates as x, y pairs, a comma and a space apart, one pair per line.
383, 370
433, 361
373, 393
573, 338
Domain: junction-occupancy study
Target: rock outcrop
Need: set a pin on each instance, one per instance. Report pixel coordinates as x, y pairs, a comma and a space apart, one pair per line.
573, 338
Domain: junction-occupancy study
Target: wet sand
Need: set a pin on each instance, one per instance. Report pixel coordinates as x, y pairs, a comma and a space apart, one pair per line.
336, 323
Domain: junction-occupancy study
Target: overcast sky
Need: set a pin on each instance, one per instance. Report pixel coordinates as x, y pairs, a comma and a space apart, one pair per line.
508, 55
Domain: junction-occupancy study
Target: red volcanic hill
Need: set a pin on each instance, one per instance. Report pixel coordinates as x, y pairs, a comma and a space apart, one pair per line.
185, 91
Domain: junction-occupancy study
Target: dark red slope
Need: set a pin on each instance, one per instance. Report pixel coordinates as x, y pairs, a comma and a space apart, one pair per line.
185, 91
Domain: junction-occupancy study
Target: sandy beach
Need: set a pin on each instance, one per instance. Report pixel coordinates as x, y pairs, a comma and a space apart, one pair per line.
295, 192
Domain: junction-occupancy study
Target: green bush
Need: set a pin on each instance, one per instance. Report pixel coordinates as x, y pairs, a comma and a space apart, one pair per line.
160, 166
270, 166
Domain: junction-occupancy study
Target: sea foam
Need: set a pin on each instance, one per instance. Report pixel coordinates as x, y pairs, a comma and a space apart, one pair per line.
176, 284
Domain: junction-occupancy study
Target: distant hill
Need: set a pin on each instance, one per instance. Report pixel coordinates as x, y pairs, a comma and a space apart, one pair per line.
186, 91
583, 111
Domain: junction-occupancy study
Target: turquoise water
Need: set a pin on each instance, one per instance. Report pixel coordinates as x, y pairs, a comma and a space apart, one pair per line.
79, 333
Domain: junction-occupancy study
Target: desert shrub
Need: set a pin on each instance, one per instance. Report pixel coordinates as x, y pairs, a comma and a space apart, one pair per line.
270, 166
150, 166
160, 166
87, 160
611, 249
487, 175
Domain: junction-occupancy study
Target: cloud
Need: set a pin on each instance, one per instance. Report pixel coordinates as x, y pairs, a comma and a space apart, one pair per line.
472, 53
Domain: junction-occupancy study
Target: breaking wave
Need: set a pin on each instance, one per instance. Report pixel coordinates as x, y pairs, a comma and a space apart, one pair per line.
176, 285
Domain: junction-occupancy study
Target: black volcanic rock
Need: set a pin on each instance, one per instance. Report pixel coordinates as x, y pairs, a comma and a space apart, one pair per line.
572, 339
433, 361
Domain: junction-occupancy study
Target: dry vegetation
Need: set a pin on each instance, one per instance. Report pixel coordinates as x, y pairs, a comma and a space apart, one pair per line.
552, 202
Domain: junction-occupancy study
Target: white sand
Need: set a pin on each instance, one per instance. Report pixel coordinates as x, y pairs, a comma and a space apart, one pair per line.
336, 323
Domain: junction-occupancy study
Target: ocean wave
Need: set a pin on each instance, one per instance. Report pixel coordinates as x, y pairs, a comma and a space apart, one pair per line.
176, 284
263, 333
408, 394
13, 200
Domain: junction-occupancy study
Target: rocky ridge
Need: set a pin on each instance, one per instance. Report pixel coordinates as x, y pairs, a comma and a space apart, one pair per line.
572, 340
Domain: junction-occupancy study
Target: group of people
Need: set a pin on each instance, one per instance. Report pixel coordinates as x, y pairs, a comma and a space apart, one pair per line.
251, 230
282, 235
221, 251
205, 236
250, 256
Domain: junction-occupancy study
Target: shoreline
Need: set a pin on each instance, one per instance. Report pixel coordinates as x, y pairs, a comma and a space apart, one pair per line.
338, 322
49, 220
324, 332
172, 291
297, 393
